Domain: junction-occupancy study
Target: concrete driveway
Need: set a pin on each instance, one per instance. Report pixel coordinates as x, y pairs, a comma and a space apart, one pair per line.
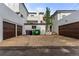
40, 40
42, 45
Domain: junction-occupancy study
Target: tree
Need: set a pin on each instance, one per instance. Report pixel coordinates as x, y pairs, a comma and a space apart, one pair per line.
47, 19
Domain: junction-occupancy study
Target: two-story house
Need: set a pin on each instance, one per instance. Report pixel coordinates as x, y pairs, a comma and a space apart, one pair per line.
35, 21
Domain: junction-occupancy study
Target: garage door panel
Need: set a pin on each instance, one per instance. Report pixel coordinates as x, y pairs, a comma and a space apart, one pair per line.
71, 30
8, 30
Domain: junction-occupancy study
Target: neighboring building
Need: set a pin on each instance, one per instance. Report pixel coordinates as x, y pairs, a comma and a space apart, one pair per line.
57, 17
35, 21
36, 16
19, 9
11, 25
69, 25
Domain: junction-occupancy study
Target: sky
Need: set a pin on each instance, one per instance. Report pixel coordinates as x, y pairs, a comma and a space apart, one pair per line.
53, 6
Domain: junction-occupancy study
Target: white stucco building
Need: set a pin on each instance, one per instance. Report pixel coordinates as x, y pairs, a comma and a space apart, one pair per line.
58, 17
35, 21
11, 24
21, 10
69, 25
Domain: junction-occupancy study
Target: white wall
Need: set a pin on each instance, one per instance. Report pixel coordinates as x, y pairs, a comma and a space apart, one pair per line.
9, 15
23, 11
13, 6
61, 15
42, 28
29, 27
32, 18
74, 17
18, 7
55, 24
36, 17
26, 27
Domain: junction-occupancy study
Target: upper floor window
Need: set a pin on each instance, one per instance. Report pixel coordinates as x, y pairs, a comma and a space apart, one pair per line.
33, 27
32, 22
32, 15
18, 13
41, 21
21, 15
41, 13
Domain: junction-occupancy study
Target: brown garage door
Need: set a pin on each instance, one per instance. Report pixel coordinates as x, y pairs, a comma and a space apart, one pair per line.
70, 30
19, 30
8, 30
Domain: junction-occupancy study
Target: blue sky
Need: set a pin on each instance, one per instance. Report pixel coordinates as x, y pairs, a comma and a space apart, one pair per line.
53, 6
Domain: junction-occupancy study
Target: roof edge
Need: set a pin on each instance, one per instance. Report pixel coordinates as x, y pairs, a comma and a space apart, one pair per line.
58, 11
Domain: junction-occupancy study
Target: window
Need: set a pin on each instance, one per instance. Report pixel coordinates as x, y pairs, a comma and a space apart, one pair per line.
50, 28
41, 21
17, 13
41, 13
32, 22
31, 15
33, 27
21, 15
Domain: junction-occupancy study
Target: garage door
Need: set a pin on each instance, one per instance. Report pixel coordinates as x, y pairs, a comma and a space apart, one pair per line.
8, 30
19, 30
28, 32
70, 30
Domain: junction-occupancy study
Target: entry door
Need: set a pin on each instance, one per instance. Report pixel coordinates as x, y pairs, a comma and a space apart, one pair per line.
19, 30
8, 30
